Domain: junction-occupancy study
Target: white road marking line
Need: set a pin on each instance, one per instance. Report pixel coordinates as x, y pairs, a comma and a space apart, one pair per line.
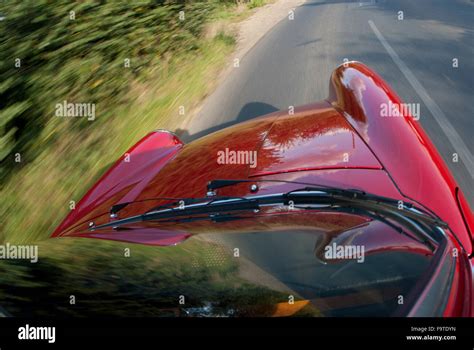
456, 141
366, 3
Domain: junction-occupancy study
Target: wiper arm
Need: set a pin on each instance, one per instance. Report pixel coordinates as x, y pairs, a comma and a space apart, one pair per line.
328, 191
308, 195
220, 183
216, 184
370, 200
332, 191
214, 206
217, 218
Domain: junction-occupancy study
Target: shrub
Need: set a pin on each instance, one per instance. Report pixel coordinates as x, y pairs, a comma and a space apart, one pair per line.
49, 54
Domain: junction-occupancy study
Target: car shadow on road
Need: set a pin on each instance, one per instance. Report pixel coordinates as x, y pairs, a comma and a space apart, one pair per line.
249, 111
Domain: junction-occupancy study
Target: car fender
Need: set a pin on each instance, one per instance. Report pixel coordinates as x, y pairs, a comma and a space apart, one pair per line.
125, 179
400, 144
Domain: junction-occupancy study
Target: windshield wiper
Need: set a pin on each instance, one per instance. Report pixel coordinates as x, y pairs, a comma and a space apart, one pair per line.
213, 207
334, 192
330, 197
363, 199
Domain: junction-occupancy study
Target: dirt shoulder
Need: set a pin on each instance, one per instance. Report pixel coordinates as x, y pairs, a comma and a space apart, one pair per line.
251, 30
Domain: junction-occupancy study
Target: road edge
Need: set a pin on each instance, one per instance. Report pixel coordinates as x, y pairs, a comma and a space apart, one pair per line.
248, 33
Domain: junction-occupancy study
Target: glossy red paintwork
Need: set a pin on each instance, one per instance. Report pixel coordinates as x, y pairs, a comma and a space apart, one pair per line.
466, 212
391, 157
313, 141
401, 145
125, 180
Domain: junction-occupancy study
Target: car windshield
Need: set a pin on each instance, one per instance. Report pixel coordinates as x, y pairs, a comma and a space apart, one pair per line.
304, 263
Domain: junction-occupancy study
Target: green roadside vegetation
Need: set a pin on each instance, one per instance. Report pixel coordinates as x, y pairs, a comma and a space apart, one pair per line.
256, 3
76, 52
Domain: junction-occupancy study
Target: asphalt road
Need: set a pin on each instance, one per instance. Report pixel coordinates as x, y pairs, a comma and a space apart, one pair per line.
291, 65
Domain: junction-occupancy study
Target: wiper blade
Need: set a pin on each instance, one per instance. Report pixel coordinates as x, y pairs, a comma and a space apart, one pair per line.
214, 206
212, 217
314, 195
114, 210
371, 200
333, 191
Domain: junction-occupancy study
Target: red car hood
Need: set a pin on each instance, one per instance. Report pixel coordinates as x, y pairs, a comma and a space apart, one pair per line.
340, 142
316, 137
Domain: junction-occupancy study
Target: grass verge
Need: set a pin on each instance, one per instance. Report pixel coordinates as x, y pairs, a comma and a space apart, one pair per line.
73, 153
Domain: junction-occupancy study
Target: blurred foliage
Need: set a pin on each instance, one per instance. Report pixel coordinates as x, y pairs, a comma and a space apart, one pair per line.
256, 3
49, 54
81, 60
